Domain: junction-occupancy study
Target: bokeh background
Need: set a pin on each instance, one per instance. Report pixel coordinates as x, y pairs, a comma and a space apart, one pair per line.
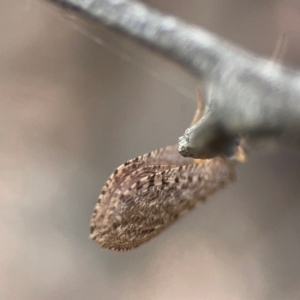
76, 101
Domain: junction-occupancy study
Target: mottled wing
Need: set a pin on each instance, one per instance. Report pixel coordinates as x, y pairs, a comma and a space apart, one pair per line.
147, 194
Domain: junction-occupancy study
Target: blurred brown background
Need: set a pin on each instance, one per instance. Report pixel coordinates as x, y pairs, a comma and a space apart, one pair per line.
76, 102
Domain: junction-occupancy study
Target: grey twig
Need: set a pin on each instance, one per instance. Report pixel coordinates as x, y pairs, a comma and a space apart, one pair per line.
244, 95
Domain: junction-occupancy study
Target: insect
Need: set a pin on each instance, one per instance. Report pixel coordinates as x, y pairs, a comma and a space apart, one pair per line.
147, 194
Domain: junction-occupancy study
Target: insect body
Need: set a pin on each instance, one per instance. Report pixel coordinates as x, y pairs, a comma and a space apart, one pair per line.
147, 194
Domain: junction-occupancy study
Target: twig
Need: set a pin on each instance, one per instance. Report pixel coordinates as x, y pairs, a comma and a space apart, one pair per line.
244, 95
